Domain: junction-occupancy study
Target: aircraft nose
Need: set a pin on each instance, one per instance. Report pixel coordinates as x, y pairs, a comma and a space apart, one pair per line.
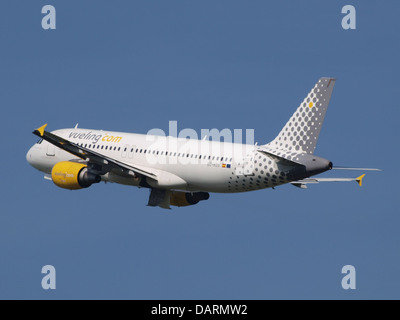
29, 156
35, 159
32, 157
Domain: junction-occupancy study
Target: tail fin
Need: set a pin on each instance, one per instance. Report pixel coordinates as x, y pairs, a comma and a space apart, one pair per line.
300, 134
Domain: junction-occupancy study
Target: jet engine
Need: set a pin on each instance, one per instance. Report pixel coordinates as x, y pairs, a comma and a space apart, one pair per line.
73, 175
183, 199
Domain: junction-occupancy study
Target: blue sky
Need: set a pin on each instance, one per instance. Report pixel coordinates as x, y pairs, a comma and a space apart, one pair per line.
134, 66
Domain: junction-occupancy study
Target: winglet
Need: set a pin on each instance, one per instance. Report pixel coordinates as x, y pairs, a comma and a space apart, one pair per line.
41, 130
359, 180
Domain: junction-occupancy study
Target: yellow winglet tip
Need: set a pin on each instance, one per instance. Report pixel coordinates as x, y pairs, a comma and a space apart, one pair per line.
360, 179
41, 129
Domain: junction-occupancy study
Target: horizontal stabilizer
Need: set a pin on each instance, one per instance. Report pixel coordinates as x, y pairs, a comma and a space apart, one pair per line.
355, 169
280, 157
303, 183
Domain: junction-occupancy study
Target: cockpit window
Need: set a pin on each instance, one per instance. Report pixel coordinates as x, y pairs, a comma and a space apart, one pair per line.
40, 141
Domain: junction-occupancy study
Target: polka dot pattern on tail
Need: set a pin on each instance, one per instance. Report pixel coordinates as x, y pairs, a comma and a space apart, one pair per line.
300, 134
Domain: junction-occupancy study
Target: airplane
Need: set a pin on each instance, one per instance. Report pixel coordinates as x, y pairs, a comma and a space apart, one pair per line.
182, 172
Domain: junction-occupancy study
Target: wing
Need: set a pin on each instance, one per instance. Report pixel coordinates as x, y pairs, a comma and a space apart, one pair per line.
92, 156
303, 183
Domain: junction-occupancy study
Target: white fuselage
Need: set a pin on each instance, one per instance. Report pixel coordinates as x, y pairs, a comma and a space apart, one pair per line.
200, 165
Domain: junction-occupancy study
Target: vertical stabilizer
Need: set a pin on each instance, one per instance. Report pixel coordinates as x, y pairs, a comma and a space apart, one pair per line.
300, 134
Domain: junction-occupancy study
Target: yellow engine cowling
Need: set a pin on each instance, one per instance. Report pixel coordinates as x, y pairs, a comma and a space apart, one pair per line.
73, 176
183, 199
